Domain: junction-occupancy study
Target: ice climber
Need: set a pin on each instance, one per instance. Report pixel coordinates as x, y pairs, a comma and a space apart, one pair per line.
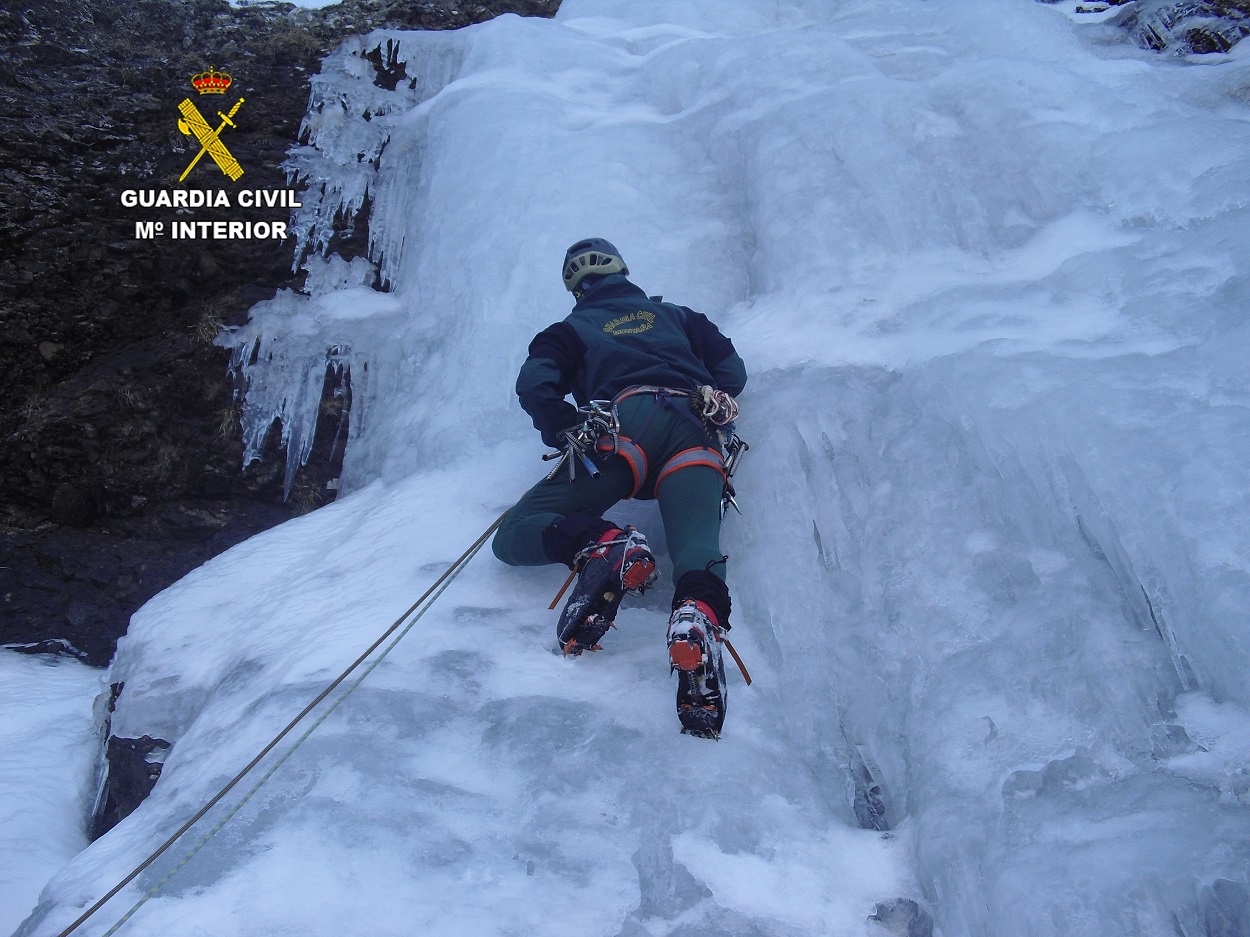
655, 384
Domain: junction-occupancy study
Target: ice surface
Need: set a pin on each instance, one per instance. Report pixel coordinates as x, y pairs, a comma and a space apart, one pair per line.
295, 342
989, 274
47, 759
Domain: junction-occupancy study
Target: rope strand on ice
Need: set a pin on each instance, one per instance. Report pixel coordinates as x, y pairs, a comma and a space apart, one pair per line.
427, 600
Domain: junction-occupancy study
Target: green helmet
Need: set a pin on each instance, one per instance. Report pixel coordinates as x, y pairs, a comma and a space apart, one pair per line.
591, 257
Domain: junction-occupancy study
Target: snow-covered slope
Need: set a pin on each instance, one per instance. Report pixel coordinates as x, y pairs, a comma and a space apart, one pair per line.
48, 744
990, 277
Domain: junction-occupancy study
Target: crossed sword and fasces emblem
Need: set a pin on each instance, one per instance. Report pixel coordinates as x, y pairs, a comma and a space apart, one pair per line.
193, 122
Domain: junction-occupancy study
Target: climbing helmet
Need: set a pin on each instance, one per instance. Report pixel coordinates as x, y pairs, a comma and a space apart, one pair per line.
591, 257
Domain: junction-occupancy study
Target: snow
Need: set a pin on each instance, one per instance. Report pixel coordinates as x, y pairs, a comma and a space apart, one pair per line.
989, 273
48, 740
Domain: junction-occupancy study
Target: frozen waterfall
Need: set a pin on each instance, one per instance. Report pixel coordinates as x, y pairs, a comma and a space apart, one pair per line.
989, 269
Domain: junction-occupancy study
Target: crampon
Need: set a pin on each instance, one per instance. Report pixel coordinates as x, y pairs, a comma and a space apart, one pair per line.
694, 650
619, 563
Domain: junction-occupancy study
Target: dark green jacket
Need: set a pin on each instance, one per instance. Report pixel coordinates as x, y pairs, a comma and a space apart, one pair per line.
618, 337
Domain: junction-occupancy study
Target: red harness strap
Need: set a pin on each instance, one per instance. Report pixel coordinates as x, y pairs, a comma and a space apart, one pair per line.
634, 457
688, 458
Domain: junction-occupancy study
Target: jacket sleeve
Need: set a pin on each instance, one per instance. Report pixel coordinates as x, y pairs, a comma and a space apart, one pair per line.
730, 375
555, 356
716, 352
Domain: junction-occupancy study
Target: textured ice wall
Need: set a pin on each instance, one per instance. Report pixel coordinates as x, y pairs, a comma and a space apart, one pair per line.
281, 357
48, 734
991, 578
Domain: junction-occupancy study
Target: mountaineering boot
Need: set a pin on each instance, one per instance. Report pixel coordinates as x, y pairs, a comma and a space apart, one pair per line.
618, 562
694, 651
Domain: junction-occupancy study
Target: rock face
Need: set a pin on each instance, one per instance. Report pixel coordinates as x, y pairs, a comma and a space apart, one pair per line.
1182, 27
120, 468
1187, 26
133, 768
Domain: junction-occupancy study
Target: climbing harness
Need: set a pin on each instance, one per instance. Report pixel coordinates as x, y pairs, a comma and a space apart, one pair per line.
416, 610
599, 433
688, 458
706, 407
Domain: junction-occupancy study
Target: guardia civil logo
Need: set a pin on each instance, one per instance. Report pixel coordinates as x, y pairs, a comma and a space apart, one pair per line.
193, 123
632, 324
187, 206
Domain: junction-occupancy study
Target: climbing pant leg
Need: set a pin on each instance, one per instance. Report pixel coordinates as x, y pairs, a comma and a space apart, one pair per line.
690, 506
519, 540
689, 497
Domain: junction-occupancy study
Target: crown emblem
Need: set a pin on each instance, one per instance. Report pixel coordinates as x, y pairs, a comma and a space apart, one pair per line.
211, 82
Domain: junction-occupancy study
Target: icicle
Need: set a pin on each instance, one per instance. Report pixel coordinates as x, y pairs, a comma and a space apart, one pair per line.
281, 358
348, 125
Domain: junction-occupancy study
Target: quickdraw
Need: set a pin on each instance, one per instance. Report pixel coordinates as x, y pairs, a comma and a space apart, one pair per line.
712, 406
715, 406
600, 420
735, 449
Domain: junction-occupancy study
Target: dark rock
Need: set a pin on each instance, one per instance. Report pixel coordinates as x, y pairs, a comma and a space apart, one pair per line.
869, 804
1182, 27
1187, 26
134, 767
120, 463
903, 917
71, 506
390, 70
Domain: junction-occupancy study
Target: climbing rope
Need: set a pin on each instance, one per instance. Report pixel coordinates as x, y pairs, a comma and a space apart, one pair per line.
420, 607
416, 611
